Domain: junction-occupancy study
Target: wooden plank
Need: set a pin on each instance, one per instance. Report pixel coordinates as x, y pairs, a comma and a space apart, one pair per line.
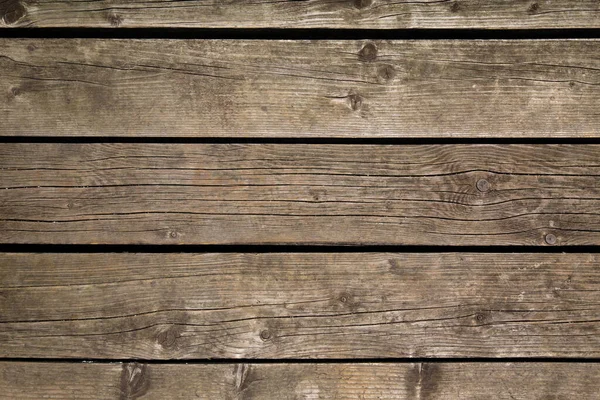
300, 194
351, 14
299, 305
432, 381
238, 88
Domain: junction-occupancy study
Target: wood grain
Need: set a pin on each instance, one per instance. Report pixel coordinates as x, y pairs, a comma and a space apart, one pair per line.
299, 305
240, 88
457, 195
431, 381
347, 14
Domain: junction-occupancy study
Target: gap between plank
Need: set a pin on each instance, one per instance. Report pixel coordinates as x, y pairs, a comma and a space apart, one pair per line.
299, 34
326, 141
522, 360
183, 248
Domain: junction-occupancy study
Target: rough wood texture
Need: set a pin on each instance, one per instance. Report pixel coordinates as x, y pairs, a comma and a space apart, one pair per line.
374, 14
299, 305
431, 381
300, 194
71, 87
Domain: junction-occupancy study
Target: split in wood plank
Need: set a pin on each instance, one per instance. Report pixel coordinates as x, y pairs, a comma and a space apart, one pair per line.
299, 305
52, 193
238, 88
347, 14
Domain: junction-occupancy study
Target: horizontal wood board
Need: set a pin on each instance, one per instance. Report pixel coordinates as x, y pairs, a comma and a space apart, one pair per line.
431, 381
303, 89
299, 305
347, 14
124, 193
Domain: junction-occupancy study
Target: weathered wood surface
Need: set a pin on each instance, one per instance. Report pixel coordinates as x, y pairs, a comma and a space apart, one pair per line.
299, 305
299, 194
431, 381
237, 88
385, 14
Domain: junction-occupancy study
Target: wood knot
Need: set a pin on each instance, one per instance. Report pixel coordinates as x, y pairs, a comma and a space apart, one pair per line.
360, 4
167, 339
135, 381
347, 301
483, 185
482, 317
265, 334
11, 11
114, 19
455, 7
395, 267
241, 373
15, 91
533, 8
356, 101
31, 48
422, 381
386, 72
368, 53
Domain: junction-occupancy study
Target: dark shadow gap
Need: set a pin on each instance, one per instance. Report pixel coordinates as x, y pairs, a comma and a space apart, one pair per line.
298, 34
327, 141
286, 248
521, 360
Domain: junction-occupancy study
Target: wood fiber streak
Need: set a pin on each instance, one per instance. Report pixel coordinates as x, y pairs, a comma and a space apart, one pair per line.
354, 89
299, 305
427, 381
346, 14
299, 194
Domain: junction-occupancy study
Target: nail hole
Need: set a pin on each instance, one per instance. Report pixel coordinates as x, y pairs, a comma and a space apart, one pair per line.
551, 239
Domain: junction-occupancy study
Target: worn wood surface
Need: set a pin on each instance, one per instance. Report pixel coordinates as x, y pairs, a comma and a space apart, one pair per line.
352, 14
299, 305
299, 194
432, 381
237, 88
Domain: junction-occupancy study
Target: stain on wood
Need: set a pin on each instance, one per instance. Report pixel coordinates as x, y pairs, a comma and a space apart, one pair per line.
317, 89
122, 193
298, 305
502, 381
347, 14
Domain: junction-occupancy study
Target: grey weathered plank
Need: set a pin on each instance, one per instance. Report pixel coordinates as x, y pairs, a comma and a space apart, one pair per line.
432, 381
385, 14
299, 305
237, 88
299, 194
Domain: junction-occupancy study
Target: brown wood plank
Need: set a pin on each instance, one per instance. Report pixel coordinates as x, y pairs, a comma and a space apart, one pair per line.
300, 194
299, 305
238, 88
431, 381
350, 14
